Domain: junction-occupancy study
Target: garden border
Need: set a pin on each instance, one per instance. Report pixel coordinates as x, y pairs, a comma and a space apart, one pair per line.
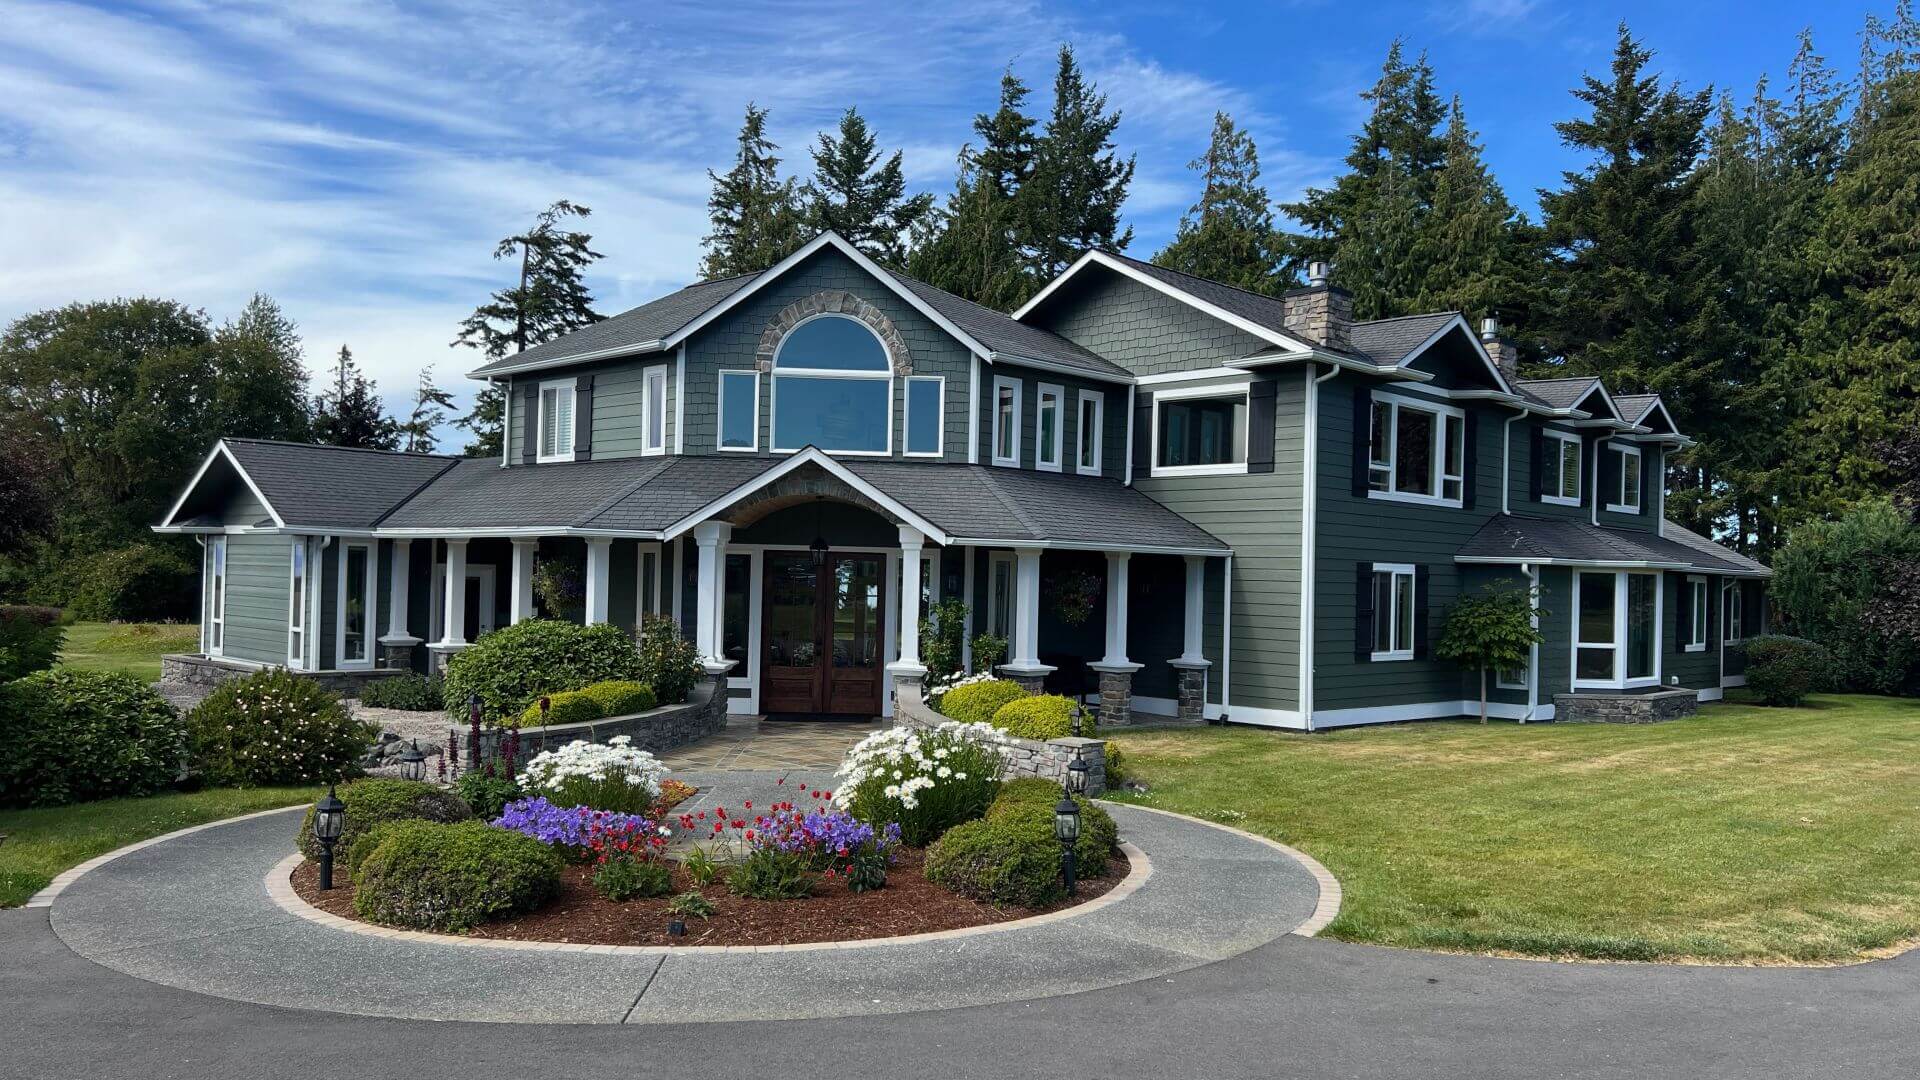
45, 897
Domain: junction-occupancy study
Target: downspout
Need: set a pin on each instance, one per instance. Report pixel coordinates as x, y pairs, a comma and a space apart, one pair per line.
1533, 651
1309, 500
1226, 641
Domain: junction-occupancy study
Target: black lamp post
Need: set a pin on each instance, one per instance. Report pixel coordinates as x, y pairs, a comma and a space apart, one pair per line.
413, 763
1066, 828
1077, 775
329, 821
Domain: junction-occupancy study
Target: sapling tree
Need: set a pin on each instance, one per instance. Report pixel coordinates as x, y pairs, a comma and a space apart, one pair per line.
1493, 630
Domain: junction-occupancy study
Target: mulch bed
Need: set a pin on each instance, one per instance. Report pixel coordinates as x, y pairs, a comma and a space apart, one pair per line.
910, 904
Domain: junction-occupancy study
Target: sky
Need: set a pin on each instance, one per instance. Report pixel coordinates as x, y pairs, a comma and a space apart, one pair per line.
358, 160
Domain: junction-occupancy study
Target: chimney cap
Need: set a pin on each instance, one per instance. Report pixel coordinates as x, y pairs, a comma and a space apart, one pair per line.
1489, 328
1316, 273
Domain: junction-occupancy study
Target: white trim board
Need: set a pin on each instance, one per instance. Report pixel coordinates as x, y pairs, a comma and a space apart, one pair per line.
1424, 710
816, 456
1265, 333
1213, 710
220, 449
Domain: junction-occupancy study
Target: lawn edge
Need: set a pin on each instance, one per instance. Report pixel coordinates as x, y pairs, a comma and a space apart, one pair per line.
1325, 909
65, 878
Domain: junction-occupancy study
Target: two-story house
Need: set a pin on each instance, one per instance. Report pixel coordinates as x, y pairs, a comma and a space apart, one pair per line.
1271, 505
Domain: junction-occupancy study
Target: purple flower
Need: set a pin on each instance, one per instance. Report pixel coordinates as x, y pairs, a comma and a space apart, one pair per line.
570, 826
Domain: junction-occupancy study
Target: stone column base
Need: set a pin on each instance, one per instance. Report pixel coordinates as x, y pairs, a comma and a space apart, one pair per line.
1031, 679
1116, 693
440, 652
1190, 677
398, 652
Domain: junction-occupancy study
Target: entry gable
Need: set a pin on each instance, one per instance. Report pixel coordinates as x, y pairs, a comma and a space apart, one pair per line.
810, 456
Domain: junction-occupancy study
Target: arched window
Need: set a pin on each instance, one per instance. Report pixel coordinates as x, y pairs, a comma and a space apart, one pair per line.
832, 388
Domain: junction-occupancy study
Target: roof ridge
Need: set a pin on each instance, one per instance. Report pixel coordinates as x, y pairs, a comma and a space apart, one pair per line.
1397, 318
330, 446
1564, 378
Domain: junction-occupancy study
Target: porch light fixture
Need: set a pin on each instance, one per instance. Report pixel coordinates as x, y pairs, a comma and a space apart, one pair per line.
1066, 828
413, 763
329, 821
819, 549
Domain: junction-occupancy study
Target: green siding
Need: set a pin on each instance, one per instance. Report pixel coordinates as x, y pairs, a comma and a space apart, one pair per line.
1696, 670
1140, 328
259, 569
1113, 417
1648, 519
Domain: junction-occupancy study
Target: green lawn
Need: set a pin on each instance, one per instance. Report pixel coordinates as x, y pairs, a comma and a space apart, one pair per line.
1745, 834
134, 648
41, 843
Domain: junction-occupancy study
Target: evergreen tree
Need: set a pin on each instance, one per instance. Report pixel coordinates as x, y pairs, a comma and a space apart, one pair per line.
260, 375
351, 414
862, 198
755, 215
430, 405
1228, 235
1472, 247
972, 247
485, 423
1072, 202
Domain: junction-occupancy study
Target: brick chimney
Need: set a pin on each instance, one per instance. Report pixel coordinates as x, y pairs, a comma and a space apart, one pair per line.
1321, 312
1506, 355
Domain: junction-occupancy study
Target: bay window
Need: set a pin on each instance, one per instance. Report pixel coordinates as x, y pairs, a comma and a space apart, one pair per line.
1199, 431
1416, 452
1560, 468
1616, 621
1048, 428
832, 388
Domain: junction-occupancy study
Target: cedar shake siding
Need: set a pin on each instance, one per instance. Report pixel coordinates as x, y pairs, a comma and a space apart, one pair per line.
1140, 328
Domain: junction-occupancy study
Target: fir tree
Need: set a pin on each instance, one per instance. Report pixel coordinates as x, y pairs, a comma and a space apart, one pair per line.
485, 423
430, 405
260, 375
1228, 235
1472, 246
755, 216
972, 247
856, 194
350, 413
1079, 183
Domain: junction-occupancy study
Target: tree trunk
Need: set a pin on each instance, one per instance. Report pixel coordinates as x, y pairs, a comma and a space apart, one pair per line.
1483, 695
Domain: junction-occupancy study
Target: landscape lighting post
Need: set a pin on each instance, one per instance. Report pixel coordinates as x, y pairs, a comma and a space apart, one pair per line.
1066, 828
329, 821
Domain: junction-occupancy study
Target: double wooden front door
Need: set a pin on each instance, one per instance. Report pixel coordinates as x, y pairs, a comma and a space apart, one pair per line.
825, 634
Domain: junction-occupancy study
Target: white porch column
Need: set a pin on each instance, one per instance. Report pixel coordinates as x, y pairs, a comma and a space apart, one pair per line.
1025, 666
522, 603
710, 584
397, 589
1195, 608
1116, 608
455, 622
1190, 669
911, 543
599, 558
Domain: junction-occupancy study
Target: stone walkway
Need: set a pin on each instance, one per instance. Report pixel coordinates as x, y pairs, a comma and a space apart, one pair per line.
752, 742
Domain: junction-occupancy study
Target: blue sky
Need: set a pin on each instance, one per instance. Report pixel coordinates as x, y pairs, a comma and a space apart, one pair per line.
358, 159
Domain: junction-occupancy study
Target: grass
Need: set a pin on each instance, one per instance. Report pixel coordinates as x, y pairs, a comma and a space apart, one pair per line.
134, 648
42, 842
1746, 834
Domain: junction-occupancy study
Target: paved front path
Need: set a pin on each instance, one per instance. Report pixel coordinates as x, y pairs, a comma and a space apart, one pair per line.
749, 742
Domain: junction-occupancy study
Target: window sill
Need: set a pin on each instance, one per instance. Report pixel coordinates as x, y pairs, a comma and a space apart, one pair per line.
658, 451
1417, 500
1199, 470
1397, 654
923, 453
1559, 500
1702, 647
554, 459
1081, 470
836, 453
1044, 466
1618, 508
728, 450
1007, 463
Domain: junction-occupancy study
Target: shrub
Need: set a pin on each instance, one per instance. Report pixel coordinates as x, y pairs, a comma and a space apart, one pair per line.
771, 874
565, 707
623, 878
433, 876
669, 663
1783, 670
611, 777
1099, 836
30, 640
976, 703
72, 735
925, 781
378, 800
622, 697
510, 668
487, 792
414, 693
139, 583
1830, 578
1010, 859
274, 727
1042, 717
690, 905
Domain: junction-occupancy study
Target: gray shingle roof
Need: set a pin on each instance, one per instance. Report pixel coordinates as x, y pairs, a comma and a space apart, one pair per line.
1001, 333
685, 485
650, 321
334, 486
1511, 538
1633, 406
479, 494
1388, 341
1268, 312
1558, 393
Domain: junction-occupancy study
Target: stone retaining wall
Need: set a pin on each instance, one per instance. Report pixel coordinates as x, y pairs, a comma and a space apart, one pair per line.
656, 731
1024, 757
186, 680
1625, 708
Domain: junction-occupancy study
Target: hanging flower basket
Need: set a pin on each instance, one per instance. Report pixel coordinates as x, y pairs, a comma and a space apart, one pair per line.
1074, 595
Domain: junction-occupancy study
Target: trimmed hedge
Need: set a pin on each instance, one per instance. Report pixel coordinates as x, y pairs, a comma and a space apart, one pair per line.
413, 693
1099, 836
1783, 670
514, 666
1042, 717
566, 707
74, 735
274, 727
622, 697
450, 877
30, 640
146, 582
378, 800
976, 703
1011, 857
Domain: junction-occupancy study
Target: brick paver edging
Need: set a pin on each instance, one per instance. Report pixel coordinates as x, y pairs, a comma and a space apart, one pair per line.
45, 897
279, 886
1328, 907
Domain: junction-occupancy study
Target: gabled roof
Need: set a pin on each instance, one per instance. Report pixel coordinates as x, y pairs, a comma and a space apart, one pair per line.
1010, 340
1391, 341
630, 331
1557, 393
1638, 409
1262, 316
1512, 539
322, 487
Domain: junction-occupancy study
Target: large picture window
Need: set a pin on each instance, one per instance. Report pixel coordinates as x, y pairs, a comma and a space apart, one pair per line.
1625, 497
1560, 469
1203, 433
1393, 611
832, 388
556, 421
740, 410
1416, 452
1616, 629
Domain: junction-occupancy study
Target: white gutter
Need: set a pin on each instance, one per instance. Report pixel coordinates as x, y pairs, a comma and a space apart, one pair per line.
1322, 356
631, 349
1058, 368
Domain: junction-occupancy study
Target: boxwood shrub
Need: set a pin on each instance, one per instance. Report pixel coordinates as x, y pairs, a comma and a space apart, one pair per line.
1042, 717
1009, 859
73, 735
450, 877
622, 697
1783, 670
377, 800
976, 703
566, 707
512, 667
414, 693
274, 727
1099, 836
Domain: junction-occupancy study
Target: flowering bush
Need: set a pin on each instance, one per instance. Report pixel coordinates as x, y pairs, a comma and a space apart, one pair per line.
275, 728
610, 777
924, 781
828, 839
669, 663
578, 827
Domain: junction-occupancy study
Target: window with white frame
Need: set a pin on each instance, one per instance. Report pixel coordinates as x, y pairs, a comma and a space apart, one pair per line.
1048, 428
1732, 631
1514, 678
1560, 468
832, 388
1006, 421
1000, 595
1626, 493
298, 588
655, 402
739, 410
1616, 621
1199, 431
556, 421
925, 423
1393, 611
1092, 433
1697, 614
1416, 451
356, 609
214, 630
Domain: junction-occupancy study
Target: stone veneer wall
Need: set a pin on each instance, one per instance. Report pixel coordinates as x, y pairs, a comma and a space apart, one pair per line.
186, 680
1625, 708
1025, 757
656, 731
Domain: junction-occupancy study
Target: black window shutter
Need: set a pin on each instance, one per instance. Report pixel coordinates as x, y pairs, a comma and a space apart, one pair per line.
583, 418
1262, 398
1363, 611
1469, 460
530, 424
1536, 452
1609, 481
1142, 435
1362, 441
1420, 585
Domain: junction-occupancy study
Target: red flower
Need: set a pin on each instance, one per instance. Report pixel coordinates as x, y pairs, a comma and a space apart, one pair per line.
749, 805
739, 824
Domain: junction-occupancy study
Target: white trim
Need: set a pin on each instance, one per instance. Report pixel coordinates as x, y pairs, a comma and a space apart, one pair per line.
489, 583
1712, 693
1018, 387
1622, 633
1078, 545
1404, 651
1478, 349
213, 602
220, 449
563, 390
1446, 419
1265, 333
1058, 393
1587, 564
640, 608
1733, 630
1698, 614
1309, 540
1626, 450
637, 348
506, 423
1082, 399
973, 409
1253, 716
1201, 393
750, 681
1733, 680
816, 456
370, 633
1424, 710
1056, 367
680, 401
939, 412
1559, 468
1204, 375
300, 578
653, 395
720, 414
